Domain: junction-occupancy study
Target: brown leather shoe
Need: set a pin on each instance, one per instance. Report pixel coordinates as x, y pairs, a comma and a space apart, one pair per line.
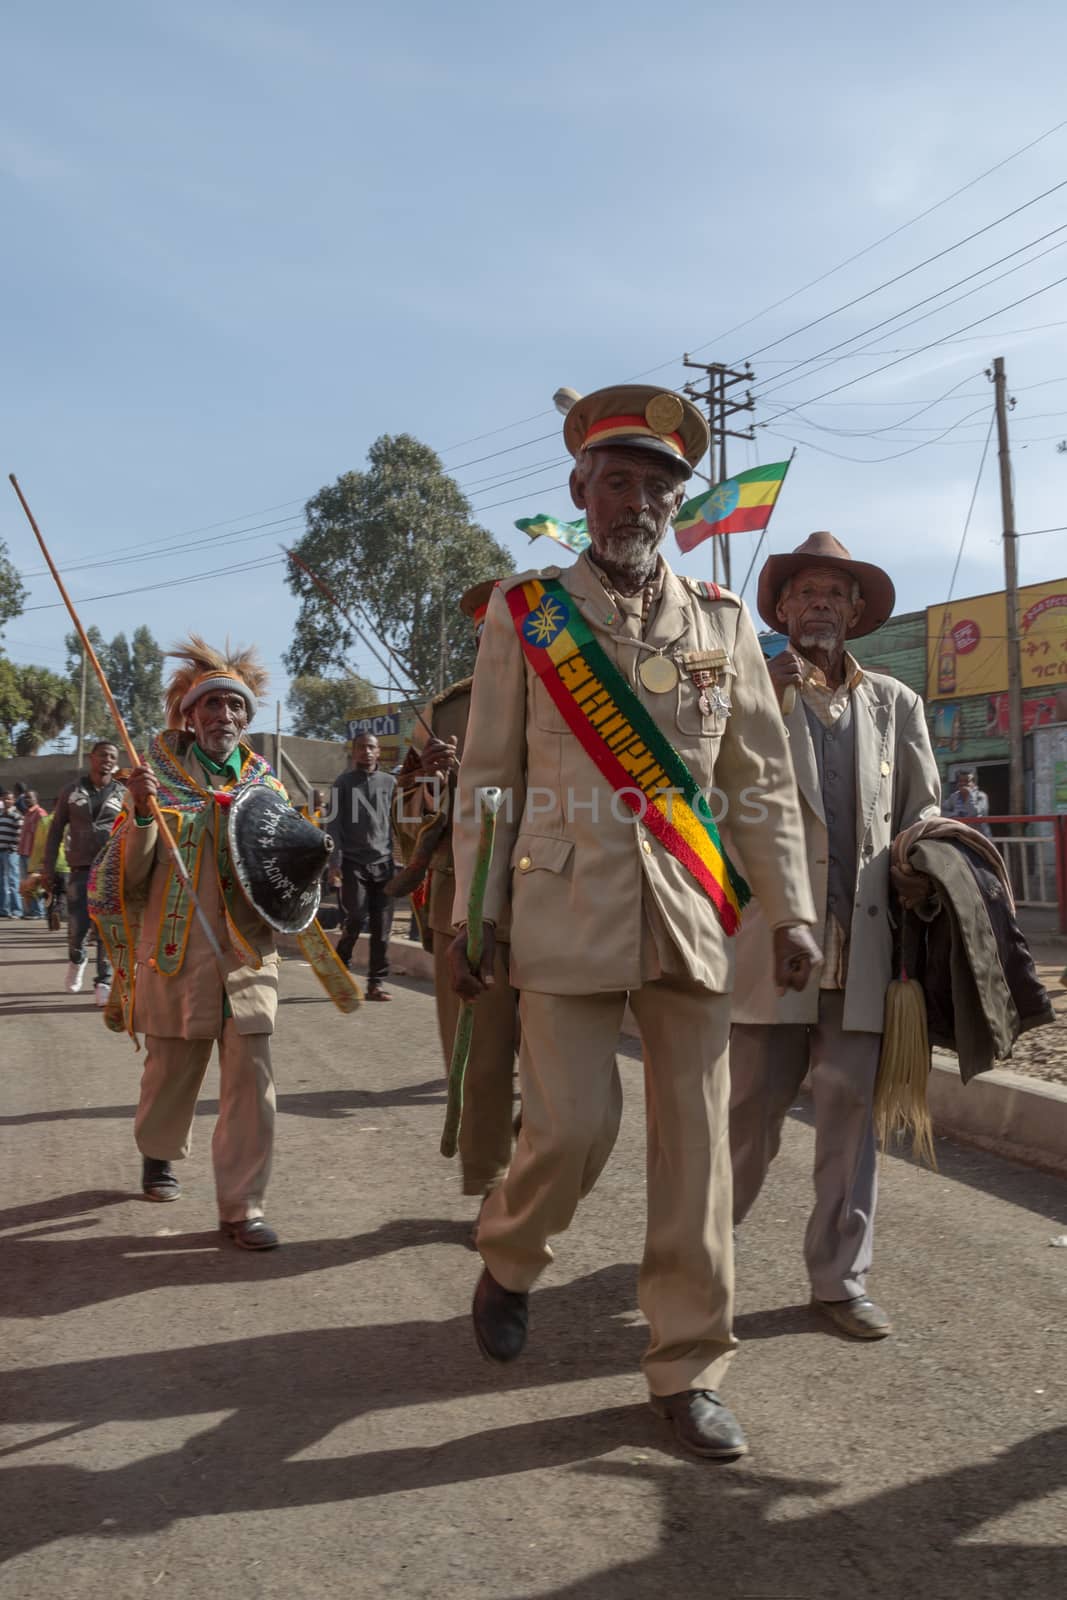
858, 1318
251, 1233
702, 1423
376, 992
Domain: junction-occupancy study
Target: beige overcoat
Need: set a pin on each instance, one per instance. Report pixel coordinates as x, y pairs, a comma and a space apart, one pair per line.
189, 1003
578, 868
897, 783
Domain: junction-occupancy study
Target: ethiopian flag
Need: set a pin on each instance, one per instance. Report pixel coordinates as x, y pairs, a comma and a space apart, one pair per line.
737, 505
571, 535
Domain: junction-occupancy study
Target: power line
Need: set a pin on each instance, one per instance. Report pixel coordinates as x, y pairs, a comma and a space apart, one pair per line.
238, 537
870, 461
257, 563
927, 298
909, 271
934, 343
970, 509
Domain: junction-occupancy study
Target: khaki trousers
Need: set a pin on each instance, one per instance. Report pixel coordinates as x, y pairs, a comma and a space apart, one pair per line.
485, 1131
768, 1064
243, 1140
566, 1076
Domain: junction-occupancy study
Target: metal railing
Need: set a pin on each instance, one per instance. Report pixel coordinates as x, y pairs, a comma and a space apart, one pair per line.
1035, 853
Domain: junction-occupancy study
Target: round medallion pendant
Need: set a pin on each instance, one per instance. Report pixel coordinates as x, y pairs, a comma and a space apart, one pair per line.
658, 674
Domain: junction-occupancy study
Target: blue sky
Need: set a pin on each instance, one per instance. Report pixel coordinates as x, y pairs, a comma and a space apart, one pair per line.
242, 241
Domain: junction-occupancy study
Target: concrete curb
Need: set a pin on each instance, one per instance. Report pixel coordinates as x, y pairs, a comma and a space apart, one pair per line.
1005, 1112
1022, 1118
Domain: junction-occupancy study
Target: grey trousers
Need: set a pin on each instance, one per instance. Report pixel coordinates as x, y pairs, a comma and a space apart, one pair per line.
767, 1066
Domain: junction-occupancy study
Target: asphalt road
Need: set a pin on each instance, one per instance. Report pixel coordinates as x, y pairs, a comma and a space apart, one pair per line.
184, 1419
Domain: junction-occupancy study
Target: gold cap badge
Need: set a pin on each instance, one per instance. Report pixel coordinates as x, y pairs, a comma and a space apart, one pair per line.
664, 413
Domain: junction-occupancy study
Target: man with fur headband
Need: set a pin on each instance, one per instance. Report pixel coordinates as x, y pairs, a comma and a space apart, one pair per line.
172, 986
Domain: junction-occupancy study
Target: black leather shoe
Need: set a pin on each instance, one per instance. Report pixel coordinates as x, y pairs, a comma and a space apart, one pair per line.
500, 1319
252, 1233
158, 1181
702, 1423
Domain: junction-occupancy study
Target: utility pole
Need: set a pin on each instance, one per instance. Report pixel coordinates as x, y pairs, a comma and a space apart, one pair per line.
719, 380
81, 710
278, 741
1016, 772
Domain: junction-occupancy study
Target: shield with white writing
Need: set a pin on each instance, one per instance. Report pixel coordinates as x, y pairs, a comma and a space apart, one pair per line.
279, 858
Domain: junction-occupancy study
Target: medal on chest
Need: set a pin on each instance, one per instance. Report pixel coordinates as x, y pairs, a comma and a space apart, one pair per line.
658, 674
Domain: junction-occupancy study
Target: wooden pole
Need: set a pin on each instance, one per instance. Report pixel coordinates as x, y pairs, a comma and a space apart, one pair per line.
131, 753
1016, 769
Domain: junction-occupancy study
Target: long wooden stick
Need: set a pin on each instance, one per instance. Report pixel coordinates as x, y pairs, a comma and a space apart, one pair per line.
325, 589
135, 760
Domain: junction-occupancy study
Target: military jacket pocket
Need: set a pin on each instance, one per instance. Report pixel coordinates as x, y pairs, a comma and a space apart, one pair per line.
536, 852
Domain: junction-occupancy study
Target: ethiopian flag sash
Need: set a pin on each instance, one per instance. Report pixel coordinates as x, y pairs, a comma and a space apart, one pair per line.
623, 741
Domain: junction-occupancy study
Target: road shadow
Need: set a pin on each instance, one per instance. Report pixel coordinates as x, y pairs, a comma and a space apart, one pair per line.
326, 1103
61, 1206
1028, 1187
47, 1277
283, 1393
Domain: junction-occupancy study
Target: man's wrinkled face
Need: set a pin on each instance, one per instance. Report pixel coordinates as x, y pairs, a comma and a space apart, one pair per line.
629, 498
218, 720
103, 764
366, 752
817, 610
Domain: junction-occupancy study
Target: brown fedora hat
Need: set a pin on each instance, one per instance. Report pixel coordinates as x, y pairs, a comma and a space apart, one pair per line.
823, 550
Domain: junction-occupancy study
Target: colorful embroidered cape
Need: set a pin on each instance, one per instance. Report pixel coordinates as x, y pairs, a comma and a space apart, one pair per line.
188, 809
623, 740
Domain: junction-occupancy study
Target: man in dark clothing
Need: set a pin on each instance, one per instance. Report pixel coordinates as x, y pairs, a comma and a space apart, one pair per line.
88, 808
360, 825
10, 828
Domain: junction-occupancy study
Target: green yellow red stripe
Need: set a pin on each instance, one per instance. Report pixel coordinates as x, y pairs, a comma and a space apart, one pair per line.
623, 740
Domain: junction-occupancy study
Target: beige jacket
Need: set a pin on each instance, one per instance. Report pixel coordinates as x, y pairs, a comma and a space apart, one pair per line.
447, 714
578, 870
189, 1004
897, 785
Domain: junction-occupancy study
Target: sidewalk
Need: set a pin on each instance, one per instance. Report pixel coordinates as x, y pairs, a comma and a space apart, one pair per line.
181, 1419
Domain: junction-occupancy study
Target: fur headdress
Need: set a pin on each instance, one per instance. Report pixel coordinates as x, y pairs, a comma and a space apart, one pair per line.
204, 668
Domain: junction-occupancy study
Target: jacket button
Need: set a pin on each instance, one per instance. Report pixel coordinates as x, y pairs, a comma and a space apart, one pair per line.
646, 847
525, 863
872, 911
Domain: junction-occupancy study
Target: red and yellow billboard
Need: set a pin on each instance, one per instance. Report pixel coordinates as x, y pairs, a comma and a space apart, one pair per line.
966, 642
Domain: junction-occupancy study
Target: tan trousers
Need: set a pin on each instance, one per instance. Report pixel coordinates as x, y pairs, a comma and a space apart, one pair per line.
566, 1073
768, 1064
485, 1132
243, 1140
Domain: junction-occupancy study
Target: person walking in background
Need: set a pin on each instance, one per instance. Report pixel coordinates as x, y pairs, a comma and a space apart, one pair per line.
967, 803
32, 817
10, 829
360, 826
88, 809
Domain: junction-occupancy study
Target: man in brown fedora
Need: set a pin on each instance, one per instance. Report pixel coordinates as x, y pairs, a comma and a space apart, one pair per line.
865, 771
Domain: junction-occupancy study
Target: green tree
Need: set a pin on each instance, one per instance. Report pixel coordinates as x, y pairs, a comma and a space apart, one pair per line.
398, 546
321, 708
12, 589
35, 706
135, 674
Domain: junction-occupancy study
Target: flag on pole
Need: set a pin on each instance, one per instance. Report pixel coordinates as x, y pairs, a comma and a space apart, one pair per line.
737, 505
571, 535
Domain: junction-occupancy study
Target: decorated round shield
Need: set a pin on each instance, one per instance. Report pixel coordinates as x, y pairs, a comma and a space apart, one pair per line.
279, 858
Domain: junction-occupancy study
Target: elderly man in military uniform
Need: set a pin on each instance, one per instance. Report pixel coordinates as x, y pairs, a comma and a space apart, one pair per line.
865, 772
609, 700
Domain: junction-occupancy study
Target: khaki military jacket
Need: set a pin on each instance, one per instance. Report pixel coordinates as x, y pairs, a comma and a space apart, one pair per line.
189, 1004
585, 876
447, 714
897, 784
